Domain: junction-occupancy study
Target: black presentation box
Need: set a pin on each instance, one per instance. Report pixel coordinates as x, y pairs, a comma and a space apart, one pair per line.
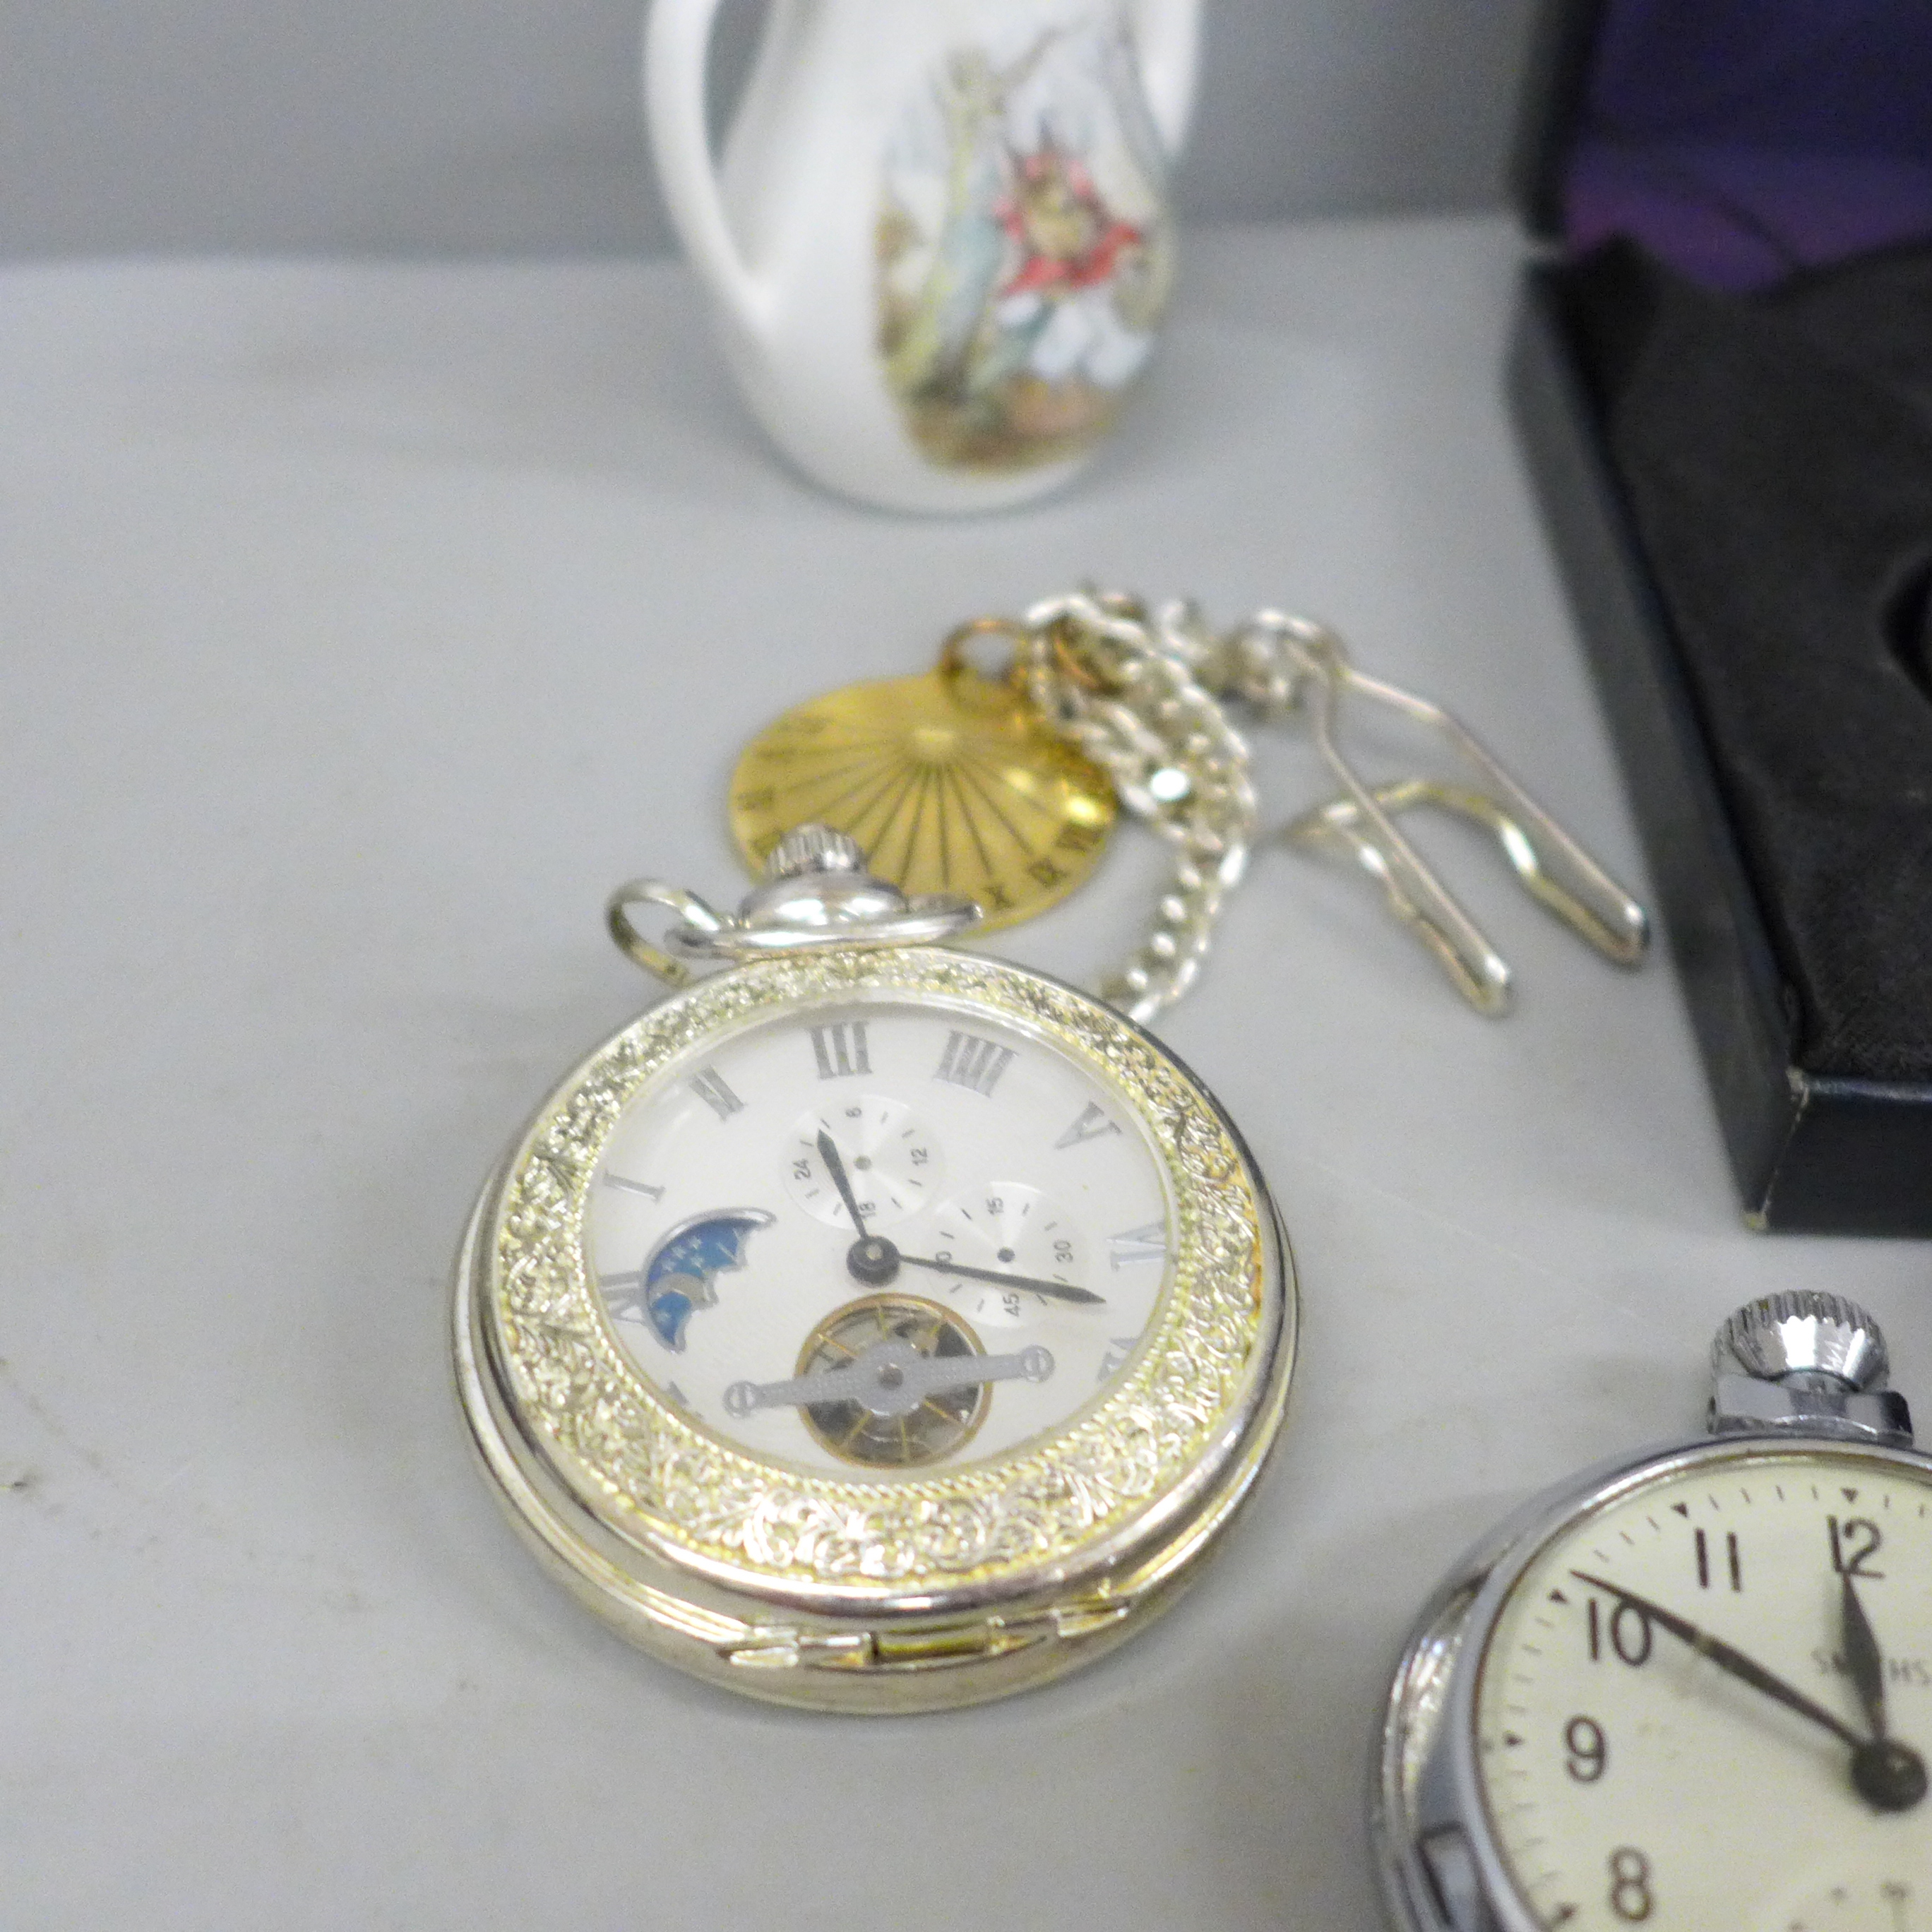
1722, 376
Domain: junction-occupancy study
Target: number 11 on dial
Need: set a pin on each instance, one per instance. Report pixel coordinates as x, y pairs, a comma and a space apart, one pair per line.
1693, 1690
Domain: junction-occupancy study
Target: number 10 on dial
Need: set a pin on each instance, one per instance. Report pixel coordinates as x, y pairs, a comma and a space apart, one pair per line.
1693, 1689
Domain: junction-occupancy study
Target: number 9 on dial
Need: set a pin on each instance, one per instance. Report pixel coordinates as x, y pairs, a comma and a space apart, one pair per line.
1691, 1689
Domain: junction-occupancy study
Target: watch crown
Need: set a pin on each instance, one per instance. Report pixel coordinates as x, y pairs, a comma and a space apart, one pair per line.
814, 848
1806, 1334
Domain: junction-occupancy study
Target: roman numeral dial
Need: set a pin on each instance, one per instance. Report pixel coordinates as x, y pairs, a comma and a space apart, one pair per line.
712, 1088
970, 1062
1092, 1124
939, 1160
839, 1048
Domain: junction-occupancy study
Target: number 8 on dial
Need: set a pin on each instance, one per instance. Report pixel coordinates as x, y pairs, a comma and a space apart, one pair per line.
1691, 1690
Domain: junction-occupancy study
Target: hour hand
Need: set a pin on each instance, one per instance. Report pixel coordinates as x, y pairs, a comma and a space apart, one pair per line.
891, 1377
1863, 1658
828, 1152
1889, 1774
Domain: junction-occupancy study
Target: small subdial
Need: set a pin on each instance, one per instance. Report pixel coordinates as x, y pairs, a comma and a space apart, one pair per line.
891, 1161
1007, 1228
891, 1381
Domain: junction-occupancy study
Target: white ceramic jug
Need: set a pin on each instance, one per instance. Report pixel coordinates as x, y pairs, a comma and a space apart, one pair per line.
941, 242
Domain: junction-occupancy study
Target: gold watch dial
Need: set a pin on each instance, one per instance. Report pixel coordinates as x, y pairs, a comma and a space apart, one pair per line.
949, 780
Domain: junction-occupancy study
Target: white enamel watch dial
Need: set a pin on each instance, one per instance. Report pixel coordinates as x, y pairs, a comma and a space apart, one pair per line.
720, 1240
1635, 1774
1694, 1691
871, 1327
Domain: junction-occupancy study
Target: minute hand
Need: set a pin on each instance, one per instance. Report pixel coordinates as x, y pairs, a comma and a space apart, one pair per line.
1745, 1669
1863, 1657
1061, 1291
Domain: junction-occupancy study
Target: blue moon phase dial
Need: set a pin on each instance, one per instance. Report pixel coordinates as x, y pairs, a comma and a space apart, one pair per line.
680, 1275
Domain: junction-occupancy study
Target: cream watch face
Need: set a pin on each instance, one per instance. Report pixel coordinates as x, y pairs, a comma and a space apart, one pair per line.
1707, 1703
881, 1236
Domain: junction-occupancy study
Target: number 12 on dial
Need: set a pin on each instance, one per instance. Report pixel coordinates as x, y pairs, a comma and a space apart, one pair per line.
1689, 1690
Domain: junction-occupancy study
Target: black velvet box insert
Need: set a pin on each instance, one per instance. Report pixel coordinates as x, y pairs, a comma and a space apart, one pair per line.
1723, 381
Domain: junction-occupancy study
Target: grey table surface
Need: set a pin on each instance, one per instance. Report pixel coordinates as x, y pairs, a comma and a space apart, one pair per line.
359, 626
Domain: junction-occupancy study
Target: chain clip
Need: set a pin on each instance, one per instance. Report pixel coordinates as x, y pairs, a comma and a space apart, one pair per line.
1144, 692
1149, 693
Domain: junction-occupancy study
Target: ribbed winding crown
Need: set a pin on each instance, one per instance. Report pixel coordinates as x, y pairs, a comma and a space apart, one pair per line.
1806, 1332
814, 848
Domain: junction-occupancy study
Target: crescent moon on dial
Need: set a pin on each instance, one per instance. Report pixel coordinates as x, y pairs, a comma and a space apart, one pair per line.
680, 1274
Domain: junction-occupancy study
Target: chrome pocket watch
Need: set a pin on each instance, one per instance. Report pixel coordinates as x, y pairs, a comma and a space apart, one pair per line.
1692, 1688
871, 1326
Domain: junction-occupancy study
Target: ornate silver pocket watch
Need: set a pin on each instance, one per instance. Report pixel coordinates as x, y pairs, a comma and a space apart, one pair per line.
871, 1326
1693, 1688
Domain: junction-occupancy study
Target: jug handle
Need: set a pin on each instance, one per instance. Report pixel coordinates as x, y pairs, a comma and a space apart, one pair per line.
677, 39
1167, 36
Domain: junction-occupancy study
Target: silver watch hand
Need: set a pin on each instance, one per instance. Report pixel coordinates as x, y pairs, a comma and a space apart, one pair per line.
891, 1377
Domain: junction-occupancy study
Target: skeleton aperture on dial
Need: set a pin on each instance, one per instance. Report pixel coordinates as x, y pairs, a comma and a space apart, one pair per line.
1029, 1218
871, 1326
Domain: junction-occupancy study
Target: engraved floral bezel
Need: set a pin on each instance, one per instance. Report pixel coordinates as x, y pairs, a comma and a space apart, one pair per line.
1054, 1505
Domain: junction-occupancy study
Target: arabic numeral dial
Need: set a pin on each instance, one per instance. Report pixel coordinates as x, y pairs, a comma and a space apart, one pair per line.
1630, 1884
890, 1154
1705, 1698
1008, 1229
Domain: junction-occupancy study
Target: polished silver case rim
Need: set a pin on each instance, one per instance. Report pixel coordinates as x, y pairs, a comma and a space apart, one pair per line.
1426, 1776
910, 1631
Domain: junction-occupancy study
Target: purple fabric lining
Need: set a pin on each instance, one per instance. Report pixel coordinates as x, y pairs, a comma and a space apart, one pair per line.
1742, 217
1741, 139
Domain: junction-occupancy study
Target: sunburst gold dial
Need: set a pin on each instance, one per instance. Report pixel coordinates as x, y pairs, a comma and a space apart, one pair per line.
949, 780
